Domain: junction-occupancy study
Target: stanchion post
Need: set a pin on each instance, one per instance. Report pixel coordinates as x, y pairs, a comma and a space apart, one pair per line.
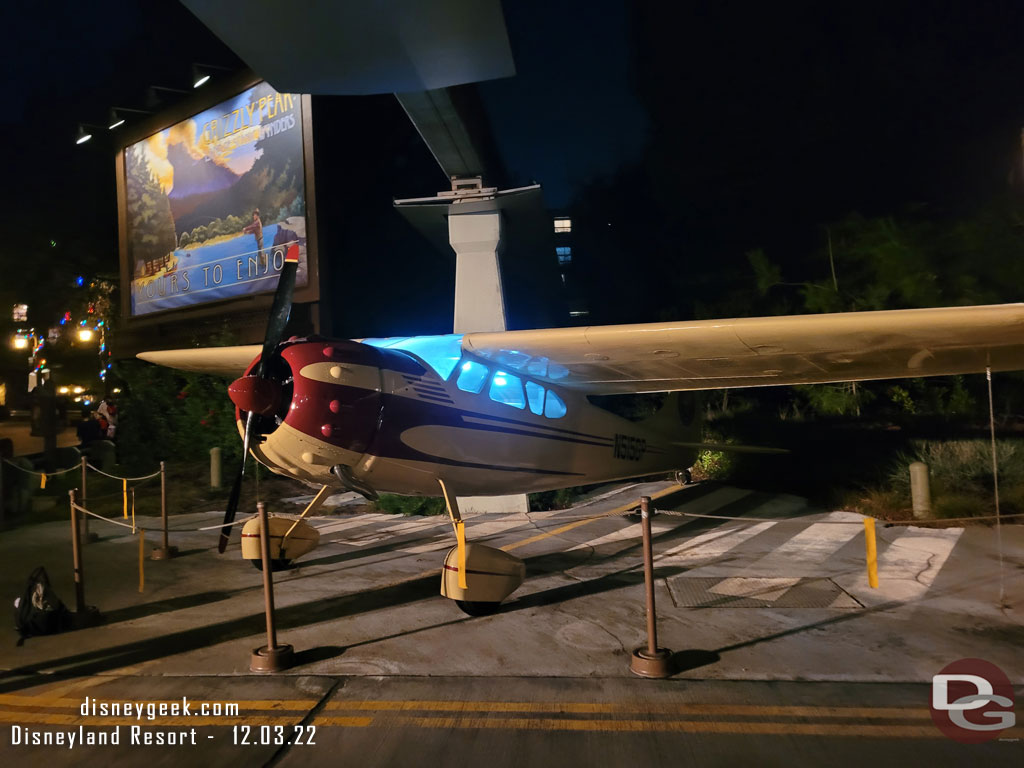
650, 661
271, 657
76, 555
88, 537
165, 551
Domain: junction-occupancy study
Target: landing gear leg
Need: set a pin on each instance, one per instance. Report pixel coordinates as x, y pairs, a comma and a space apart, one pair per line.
460, 530
683, 477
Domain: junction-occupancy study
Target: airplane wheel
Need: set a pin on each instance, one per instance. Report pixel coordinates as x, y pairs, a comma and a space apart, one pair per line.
281, 564
477, 608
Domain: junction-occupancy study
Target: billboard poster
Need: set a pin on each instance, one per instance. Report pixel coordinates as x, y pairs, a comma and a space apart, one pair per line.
215, 202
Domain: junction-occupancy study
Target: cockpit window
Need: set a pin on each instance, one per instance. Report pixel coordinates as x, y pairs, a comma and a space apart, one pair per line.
441, 353
472, 376
507, 389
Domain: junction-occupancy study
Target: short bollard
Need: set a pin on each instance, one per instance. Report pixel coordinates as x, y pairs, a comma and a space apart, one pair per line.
650, 661
270, 657
215, 463
165, 551
920, 493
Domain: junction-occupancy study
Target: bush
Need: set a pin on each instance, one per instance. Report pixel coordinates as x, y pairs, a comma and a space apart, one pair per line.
960, 476
960, 465
410, 505
171, 415
563, 498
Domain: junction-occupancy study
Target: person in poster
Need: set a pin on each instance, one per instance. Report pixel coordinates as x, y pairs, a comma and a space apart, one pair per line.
256, 228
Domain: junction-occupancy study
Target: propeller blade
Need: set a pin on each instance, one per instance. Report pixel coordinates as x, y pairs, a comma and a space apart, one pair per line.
236, 489
279, 310
254, 397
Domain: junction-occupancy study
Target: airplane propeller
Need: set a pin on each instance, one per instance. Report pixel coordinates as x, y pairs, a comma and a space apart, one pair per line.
257, 394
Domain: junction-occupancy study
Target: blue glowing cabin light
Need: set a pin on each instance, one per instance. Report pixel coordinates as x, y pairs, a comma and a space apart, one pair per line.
535, 397
512, 359
507, 389
554, 407
441, 353
472, 376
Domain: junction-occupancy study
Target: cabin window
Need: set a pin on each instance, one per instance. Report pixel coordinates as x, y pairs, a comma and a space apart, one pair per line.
535, 397
554, 407
507, 389
472, 376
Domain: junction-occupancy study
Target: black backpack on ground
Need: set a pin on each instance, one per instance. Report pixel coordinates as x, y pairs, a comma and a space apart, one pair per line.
39, 611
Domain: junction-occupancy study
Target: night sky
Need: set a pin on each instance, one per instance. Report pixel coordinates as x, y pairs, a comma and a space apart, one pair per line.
759, 123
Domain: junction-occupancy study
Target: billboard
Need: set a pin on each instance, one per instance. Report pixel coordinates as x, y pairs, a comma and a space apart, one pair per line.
213, 203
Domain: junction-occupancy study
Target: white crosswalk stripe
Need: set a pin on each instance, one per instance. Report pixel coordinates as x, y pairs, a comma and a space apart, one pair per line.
907, 567
808, 552
708, 547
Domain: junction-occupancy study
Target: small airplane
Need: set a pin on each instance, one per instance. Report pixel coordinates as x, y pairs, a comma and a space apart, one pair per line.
508, 412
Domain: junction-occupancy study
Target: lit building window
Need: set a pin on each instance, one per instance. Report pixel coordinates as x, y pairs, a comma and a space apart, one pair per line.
563, 225
20, 313
564, 253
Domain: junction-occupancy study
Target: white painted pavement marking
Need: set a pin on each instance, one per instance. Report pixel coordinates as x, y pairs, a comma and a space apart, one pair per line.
808, 552
475, 531
907, 567
707, 547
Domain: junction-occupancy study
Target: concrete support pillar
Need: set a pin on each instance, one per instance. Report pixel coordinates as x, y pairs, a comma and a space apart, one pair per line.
480, 306
479, 299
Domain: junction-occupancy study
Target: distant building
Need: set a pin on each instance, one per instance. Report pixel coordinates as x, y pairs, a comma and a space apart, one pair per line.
566, 257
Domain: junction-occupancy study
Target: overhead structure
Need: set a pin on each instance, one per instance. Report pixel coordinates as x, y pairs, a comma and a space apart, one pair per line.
363, 48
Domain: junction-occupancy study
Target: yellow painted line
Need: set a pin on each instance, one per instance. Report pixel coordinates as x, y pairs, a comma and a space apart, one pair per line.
14, 700
570, 707
57, 718
576, 524
649, 726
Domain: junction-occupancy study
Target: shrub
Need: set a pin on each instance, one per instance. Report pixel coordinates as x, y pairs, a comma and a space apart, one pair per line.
410, 505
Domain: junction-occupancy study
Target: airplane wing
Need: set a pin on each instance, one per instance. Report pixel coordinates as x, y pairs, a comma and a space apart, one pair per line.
764, 351
220, 361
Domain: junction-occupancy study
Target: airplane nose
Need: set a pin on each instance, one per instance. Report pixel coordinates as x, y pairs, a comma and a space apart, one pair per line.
255, 395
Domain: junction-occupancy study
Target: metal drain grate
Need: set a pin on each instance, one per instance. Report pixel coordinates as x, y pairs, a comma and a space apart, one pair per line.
756, 592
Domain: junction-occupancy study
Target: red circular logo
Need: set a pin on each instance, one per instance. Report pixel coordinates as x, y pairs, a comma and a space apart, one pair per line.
972, 701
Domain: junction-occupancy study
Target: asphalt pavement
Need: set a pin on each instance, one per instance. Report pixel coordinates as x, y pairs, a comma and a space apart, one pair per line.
785, 654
